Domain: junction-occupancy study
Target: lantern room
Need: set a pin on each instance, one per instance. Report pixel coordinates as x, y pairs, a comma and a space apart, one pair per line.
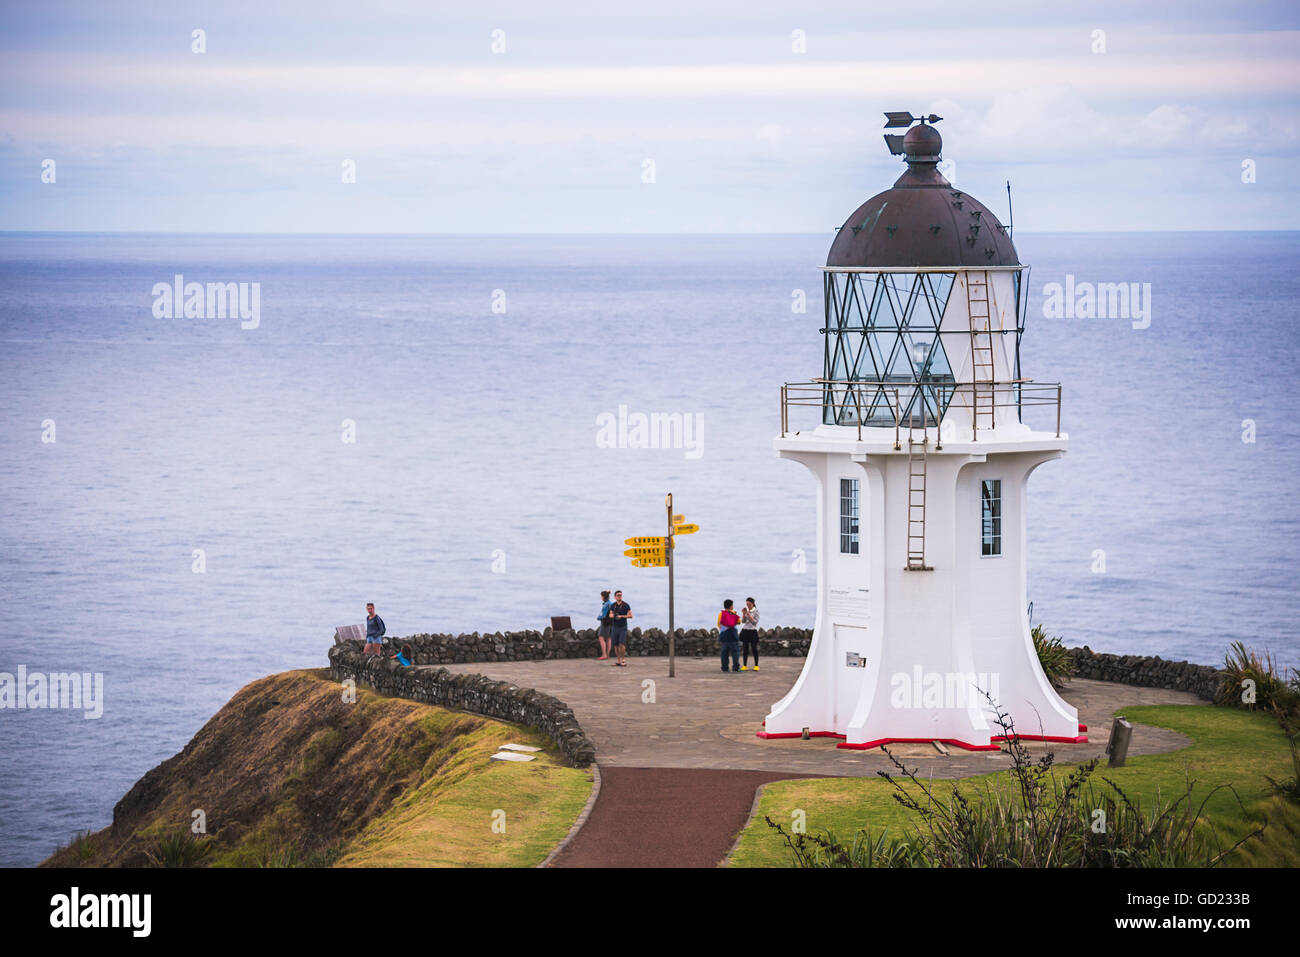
924, 306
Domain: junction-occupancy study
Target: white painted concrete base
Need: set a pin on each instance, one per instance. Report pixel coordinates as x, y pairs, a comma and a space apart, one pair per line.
901, 655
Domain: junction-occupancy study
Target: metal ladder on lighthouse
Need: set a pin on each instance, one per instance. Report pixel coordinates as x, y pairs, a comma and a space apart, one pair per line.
916, 474
981, 350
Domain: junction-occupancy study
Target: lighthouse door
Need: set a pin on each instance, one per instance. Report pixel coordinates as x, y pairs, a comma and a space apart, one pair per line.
850, 662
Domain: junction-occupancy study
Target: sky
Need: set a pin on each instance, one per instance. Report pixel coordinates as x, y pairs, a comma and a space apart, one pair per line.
495, 117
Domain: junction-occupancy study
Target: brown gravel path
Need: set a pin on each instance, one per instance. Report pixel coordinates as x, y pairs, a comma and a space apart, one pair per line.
665, 817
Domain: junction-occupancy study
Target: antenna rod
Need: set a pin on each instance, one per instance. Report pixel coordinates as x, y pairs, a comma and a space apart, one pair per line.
1011, 215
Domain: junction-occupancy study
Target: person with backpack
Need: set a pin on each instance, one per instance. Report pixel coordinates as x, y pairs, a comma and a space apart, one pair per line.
749, 633
727, 638
604, 635
375, 631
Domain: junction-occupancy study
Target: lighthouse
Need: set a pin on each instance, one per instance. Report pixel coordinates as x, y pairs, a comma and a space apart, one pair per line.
921, 435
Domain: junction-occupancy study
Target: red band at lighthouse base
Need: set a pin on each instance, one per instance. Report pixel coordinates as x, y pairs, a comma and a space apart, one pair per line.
965, 746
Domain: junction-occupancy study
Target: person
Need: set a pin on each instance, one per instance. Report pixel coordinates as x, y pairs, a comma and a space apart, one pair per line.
375, 631
727, 620
603, 635
619, 613
404, 657
749, 633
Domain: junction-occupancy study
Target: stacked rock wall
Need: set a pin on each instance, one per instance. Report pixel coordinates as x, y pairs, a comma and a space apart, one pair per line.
1147, 672
467, 692
545, 645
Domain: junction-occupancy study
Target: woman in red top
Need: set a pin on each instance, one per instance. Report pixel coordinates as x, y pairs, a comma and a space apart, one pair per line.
727, 636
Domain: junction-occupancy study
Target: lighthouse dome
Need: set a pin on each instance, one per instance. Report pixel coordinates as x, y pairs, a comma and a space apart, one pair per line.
923, 220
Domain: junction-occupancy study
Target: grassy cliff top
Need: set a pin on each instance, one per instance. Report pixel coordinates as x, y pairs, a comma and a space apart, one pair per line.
290, 774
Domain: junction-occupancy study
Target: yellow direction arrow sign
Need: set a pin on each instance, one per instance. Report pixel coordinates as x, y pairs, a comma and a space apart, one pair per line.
678, 519
649, 562
685, 529
646, 540
645, 552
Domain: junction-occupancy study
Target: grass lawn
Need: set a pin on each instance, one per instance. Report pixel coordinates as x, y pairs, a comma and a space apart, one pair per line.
1229, 747
479, 813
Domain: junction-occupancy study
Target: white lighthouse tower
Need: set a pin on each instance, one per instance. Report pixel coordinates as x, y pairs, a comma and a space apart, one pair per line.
922, 458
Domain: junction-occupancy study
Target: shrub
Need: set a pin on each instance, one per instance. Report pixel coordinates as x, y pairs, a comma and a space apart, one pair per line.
286, 856
814, 851
323, 858
1167, 836
1288, 788
178, 850
1271, 689
1053, 656
82, 845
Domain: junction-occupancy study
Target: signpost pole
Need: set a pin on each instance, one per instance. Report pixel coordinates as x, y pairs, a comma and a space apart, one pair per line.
672, 640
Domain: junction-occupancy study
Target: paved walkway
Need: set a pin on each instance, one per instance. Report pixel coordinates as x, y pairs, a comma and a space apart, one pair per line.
665, 817
704, 718
680, 763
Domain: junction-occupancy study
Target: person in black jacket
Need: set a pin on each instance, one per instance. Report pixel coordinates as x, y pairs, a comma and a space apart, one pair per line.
375, 630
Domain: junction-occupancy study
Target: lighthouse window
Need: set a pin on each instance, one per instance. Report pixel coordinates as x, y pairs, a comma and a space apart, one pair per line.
991, 517
849, 516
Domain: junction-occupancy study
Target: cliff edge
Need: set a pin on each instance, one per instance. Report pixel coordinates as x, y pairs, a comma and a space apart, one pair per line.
291, 773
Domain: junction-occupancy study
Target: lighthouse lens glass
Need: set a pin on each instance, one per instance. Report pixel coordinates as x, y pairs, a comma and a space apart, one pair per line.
885, 354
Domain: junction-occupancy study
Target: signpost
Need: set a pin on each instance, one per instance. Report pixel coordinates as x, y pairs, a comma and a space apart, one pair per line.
672, 638
656, 551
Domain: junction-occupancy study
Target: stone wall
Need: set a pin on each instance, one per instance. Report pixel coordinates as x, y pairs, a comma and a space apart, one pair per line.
1147, 672
467, 692
581, 643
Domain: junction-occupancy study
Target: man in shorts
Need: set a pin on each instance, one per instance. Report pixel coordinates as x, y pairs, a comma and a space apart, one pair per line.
375, 630
619, 613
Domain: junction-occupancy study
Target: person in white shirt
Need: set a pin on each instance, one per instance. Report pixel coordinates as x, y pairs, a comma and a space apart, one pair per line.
749, 633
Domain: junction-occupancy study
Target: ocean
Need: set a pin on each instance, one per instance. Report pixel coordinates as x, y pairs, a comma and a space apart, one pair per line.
183, 511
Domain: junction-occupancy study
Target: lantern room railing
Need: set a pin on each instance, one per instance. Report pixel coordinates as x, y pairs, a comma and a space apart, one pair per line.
899, 397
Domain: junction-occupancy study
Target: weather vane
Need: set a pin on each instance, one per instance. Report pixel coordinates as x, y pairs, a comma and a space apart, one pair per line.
899, 120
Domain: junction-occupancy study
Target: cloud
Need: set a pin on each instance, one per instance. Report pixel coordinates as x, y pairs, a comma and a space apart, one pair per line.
1059, 124
732, 117
1255, 68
